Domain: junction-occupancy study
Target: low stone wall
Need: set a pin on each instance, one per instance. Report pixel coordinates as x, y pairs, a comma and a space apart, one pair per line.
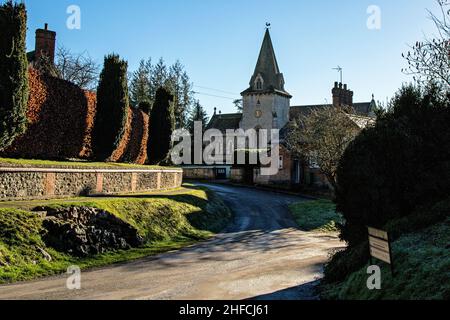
38, 183
199, 173
237, 175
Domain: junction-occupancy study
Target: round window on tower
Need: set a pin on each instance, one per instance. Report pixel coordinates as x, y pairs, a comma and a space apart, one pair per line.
258, 113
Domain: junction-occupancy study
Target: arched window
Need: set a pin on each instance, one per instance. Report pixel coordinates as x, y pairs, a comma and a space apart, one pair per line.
258, 84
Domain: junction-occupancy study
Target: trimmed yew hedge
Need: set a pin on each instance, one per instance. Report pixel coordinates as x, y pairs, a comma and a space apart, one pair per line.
112, 107
13, 72
162, 124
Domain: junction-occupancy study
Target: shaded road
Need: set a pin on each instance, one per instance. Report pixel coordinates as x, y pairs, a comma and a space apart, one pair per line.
262, 255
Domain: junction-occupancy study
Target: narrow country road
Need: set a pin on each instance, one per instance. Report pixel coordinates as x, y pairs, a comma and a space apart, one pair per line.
262, 255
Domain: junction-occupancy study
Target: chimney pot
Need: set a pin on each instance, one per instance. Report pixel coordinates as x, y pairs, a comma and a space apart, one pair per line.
345, 86
46, 26
340, 85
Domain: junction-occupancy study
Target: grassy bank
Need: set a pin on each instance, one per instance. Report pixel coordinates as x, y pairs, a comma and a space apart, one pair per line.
317, 215
421, 256
7, 162
166, 222
422, 270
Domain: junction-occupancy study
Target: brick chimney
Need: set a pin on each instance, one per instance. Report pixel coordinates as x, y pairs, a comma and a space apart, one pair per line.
342, 96
45, 44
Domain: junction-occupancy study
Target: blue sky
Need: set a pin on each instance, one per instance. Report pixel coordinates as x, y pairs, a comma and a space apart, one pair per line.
219, 41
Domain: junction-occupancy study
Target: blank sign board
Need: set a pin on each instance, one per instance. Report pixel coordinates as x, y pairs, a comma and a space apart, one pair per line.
379, 245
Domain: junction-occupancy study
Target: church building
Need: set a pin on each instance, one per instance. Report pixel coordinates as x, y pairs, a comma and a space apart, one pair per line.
266, 105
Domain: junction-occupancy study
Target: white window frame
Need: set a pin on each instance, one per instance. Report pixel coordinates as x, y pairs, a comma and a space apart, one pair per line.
313, 163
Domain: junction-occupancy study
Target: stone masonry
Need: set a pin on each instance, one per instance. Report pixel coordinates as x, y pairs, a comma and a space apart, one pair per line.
40, 183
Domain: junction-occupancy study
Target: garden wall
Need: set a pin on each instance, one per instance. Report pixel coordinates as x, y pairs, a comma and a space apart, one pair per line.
39, 183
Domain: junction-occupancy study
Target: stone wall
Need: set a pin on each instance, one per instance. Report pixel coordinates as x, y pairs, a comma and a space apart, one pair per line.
237, 175
39, 183
199, 173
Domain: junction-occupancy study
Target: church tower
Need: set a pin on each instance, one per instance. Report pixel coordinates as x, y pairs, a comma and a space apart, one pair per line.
266, 103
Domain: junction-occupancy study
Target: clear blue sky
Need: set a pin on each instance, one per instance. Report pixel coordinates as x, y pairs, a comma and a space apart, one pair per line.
219, 41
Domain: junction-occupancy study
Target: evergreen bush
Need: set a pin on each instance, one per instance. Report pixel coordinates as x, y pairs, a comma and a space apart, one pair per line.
112, 107
162, 124
13, 72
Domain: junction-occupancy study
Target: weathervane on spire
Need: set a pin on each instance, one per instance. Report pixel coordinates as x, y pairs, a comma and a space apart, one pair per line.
268, 25
339, 69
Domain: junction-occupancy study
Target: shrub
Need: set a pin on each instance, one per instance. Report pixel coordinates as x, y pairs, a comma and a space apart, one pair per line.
162, 124
392, 169
112, 107
145, 106
60, 121
345, 262
13, 72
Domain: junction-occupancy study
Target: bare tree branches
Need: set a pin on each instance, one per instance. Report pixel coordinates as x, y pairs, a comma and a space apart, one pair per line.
79, 69
322, 137
429, 60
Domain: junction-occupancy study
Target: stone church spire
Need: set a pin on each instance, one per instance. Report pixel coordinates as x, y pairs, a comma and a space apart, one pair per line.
267, 76
265, 104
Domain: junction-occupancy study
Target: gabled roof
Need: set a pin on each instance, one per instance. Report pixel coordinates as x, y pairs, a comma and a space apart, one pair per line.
267, 68
365, 108
297, 111
223, 122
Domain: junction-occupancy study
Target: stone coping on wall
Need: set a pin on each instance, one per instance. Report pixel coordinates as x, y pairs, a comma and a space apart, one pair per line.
87, 170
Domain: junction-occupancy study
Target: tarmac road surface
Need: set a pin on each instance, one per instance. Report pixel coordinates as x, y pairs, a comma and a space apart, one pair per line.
262, 255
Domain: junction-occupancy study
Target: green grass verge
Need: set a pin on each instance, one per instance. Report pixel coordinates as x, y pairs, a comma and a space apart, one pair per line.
73, 164
422, 264
317, 215
167, 222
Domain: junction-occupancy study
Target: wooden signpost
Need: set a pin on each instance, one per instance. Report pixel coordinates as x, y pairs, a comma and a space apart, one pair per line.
380, 246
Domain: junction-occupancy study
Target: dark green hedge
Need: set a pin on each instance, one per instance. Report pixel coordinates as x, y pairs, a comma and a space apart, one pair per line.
393, 174
112, 107
145, 106
13, 72
398, 165
162, 124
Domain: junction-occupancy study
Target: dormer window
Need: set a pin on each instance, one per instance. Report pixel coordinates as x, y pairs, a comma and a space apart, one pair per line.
258, 85
259, 82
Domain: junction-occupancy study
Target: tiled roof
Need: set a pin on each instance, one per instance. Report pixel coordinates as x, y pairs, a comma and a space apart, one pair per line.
362, 109
362, 116
223, 122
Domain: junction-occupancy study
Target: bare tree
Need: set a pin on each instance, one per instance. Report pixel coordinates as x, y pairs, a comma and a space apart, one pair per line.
322, 136
429, 60
238, 105
79, 69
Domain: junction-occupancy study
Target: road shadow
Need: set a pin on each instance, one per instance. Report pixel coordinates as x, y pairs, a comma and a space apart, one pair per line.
307, 291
